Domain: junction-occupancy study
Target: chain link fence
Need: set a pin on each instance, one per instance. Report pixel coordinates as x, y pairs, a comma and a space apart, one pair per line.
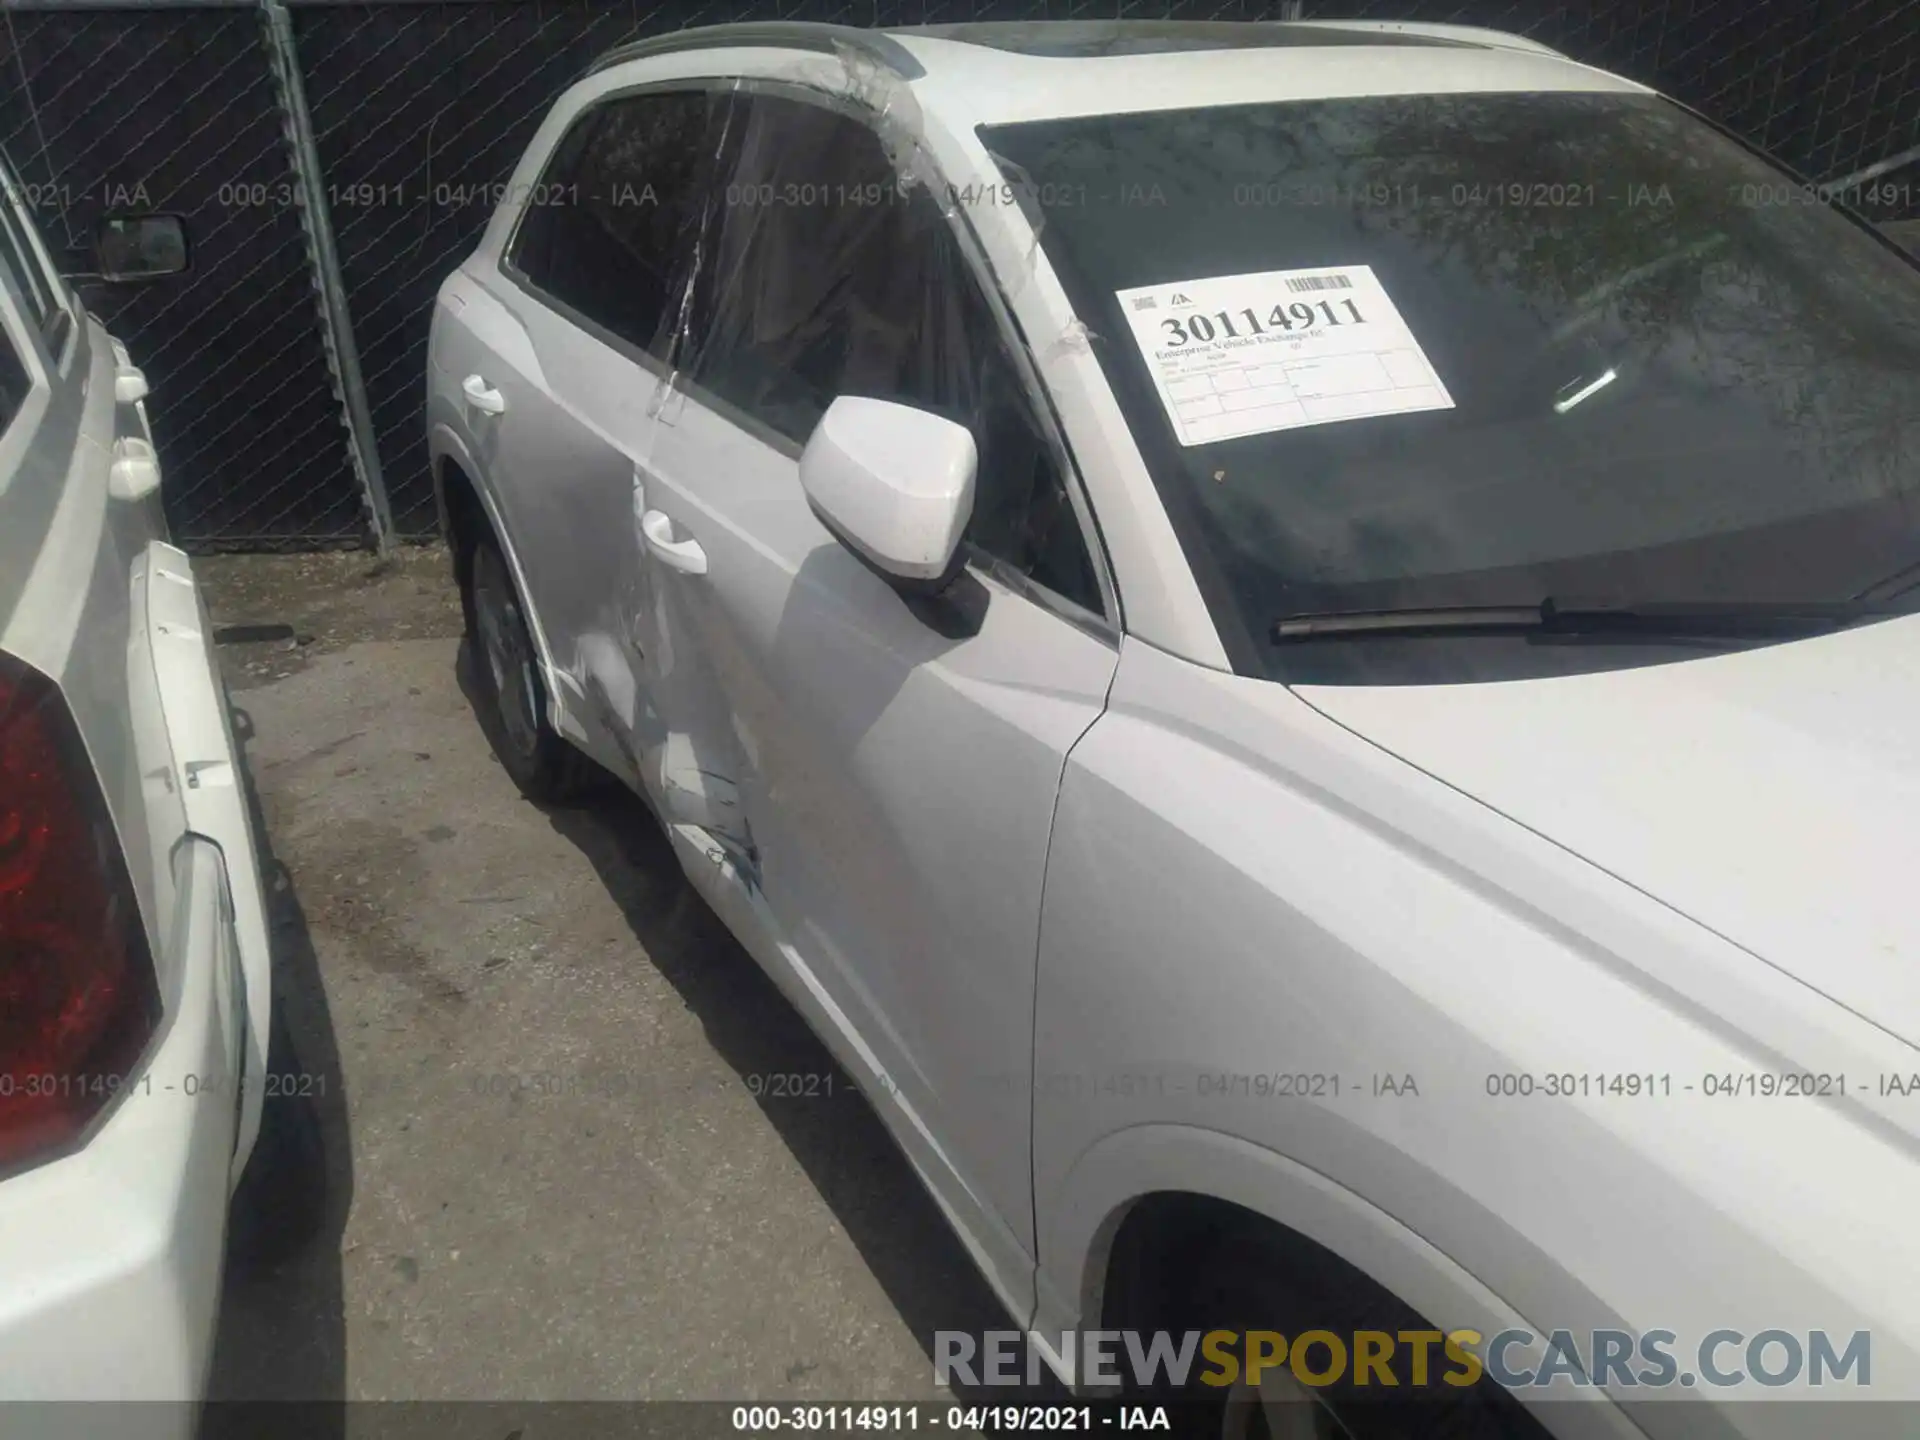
1828, 86
288, 367
105, 110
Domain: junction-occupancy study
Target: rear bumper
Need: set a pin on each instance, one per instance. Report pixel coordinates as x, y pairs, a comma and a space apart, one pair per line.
170, 613
110, 1258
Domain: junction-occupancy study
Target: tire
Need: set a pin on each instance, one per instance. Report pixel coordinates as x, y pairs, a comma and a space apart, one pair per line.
1246, 1277
512, 697
280, 1205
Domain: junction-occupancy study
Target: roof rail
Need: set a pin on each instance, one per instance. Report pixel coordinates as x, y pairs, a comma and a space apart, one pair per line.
1462, 34
881, 48
1040, 35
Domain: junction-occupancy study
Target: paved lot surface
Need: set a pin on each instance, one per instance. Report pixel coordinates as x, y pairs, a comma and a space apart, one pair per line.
550, 1174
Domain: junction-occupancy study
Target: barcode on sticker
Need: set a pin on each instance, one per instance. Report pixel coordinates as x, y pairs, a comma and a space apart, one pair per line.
1319, 282
1145, 302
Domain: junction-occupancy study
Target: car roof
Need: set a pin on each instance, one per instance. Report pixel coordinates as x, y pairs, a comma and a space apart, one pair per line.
1064, 39
999, 71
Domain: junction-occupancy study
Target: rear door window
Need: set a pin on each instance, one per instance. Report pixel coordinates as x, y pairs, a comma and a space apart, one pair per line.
607, 226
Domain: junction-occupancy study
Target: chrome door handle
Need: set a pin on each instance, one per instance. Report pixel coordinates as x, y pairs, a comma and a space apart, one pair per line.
685, 556
482, 396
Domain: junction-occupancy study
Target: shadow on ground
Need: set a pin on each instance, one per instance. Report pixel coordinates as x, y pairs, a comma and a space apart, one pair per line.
830, 1128
282, 1334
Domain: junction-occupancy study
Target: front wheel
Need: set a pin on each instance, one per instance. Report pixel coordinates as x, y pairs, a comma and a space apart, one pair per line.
1252, 1278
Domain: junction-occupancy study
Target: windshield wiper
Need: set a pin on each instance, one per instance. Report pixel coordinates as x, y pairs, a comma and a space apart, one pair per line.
1733, 620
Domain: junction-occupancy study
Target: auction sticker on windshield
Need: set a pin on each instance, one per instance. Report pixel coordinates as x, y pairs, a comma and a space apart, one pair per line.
1239, 355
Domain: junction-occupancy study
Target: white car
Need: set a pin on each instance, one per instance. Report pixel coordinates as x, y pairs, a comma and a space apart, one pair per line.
135, 984
1290, 639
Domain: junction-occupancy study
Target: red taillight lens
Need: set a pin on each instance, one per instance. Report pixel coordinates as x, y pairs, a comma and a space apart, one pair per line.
78, 997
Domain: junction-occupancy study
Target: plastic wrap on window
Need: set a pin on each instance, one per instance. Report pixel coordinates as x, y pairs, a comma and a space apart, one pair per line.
818, 260
702, 209
819, 255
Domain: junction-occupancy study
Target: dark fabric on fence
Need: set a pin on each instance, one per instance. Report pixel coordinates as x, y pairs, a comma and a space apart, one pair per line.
181, 103
419, 109
417, 112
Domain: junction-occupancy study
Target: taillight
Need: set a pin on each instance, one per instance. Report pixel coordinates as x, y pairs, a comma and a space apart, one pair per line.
78, 996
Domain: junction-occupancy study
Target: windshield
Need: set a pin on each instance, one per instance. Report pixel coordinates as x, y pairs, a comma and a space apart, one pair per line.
1423, 352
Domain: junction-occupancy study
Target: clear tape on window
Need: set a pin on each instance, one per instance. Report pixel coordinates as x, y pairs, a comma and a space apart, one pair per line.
894, 115
817, 257
1076, 337
702, 224
1020, 185
816, 253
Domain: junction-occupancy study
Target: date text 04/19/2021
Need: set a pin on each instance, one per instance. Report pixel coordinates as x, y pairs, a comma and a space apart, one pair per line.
961, 1419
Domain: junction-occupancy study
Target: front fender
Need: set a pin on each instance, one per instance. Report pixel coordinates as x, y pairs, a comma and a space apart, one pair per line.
1125, 1167
1258, 928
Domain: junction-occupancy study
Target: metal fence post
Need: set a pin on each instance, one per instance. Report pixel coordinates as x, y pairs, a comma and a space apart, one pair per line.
316, 221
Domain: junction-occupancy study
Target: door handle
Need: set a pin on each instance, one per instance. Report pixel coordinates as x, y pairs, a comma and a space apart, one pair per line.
685, 556
482, 396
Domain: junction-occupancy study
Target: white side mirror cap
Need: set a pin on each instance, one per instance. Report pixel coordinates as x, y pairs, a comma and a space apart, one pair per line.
894, 484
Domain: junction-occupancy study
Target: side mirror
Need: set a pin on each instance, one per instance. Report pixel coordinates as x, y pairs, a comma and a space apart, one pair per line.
894, 485
139, 247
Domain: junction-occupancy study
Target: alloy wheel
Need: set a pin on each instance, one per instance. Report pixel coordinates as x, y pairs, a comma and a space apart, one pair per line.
1279, 1408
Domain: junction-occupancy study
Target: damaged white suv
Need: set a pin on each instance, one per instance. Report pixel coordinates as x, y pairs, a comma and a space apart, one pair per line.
1291, 639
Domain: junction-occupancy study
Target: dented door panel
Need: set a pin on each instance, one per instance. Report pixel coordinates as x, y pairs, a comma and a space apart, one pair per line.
553, 482
899, 786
